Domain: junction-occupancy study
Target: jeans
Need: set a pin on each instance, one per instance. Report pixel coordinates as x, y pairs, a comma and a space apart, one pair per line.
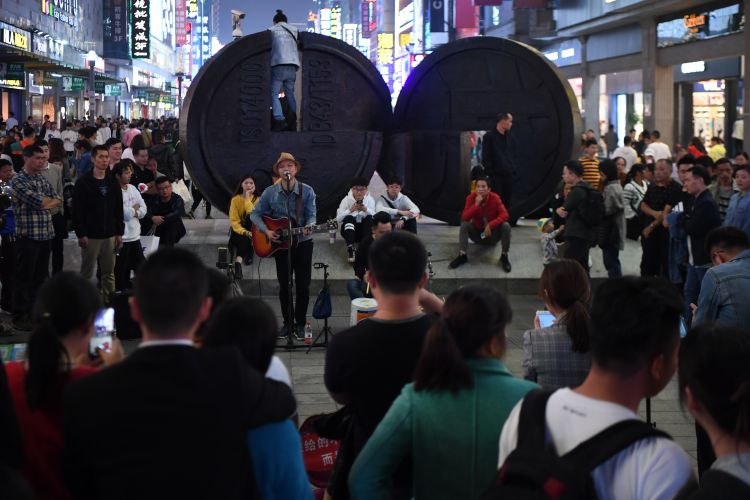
356, 288
286, 75
611, 258
692, 290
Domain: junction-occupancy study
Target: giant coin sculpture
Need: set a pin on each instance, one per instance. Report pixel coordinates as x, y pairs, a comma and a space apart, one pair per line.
348, 128
226, 122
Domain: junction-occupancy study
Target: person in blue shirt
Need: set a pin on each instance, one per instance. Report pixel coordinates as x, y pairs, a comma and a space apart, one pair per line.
284, 66
276, 448
726, 286
274, 203
83, 164
738, 214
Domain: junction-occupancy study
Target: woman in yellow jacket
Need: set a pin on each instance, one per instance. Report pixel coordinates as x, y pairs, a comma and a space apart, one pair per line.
242, 204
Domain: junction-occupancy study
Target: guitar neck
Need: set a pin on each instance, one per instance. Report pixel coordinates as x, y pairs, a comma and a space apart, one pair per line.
298, 230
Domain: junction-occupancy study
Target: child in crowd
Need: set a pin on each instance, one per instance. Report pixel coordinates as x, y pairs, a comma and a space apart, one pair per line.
549, 244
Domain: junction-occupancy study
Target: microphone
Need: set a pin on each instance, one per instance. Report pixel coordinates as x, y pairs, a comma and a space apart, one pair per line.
287, 175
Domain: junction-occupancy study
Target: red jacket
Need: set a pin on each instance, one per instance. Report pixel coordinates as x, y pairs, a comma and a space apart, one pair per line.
492, 209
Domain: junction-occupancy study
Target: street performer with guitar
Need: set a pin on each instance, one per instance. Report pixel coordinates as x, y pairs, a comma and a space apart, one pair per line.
299, 199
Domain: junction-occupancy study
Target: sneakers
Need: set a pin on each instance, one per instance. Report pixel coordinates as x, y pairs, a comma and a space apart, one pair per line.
350, 253
191, 215
284, 332
505, 263
208, 217
299, 333
278, 125
238, 270
459, 261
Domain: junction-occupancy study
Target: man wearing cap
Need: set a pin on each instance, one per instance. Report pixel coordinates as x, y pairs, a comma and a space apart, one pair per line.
300, 198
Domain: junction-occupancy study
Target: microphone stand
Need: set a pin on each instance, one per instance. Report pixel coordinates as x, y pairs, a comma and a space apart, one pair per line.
430, 272
290, 280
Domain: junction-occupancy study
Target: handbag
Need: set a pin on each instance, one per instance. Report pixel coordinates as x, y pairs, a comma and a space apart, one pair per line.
180, 189
150, 242
322, 308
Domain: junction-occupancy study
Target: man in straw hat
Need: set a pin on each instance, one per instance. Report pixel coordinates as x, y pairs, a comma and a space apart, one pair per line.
301, 203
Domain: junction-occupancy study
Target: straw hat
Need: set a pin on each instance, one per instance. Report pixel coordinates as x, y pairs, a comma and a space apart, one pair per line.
284, 157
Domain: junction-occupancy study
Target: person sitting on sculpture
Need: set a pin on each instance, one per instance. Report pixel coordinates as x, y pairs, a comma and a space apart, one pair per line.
355, 215
284, 66
484, 220
402, 210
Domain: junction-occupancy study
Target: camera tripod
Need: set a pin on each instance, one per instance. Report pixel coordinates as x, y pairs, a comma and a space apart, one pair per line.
326, 329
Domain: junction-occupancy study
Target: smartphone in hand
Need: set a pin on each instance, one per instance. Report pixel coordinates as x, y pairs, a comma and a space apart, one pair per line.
104, 331
546, 318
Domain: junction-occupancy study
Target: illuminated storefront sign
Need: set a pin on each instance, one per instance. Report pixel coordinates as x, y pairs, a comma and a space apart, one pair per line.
115, 29
12, 75
336, 20
73, 83
350, 34
66, 11
139, 42
385, 48
693, 67
179, 23
325, 21
704, 25
15, 37
369, 19
695, 22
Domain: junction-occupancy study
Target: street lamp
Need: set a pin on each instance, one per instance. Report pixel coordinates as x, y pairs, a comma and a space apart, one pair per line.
180, 75
91, 59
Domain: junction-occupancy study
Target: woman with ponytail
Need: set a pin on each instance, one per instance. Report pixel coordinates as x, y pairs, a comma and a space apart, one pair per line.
714, 381
56, 355
558, 355
448, 422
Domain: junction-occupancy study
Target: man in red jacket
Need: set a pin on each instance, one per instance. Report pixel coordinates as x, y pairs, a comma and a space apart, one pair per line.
485, 221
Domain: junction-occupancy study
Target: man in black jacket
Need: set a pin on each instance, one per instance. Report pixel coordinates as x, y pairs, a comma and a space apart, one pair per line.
98, 220
497, 158
699, 221
165, 160
165, 213
357, 288
170, 421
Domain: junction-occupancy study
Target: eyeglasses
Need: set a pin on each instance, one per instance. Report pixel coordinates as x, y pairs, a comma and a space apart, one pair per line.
359, 188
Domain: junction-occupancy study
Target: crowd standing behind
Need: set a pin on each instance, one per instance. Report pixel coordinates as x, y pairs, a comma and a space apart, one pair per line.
202, 381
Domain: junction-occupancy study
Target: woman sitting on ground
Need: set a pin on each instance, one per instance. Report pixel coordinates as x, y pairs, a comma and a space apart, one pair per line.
448, 422
249, 324
57, 354
714, 379
240, 207
558, 355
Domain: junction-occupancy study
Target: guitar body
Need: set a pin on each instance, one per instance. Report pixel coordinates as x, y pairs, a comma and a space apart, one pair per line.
262, 245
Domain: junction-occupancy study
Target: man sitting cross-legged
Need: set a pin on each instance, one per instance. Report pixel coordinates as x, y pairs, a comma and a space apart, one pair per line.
355, 214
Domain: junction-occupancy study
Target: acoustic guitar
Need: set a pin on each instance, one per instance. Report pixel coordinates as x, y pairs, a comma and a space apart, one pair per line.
264, 247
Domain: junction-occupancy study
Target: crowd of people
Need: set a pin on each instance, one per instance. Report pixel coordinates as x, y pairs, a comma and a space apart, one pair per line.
109, 183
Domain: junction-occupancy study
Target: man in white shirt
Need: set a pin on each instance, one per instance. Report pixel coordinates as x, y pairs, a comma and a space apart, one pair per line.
69, 137
130, 256
627, 153
402, 210
355, 215
634, 345
657, 149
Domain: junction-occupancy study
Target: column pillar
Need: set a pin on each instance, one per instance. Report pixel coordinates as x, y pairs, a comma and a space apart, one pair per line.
590, 91
658, 88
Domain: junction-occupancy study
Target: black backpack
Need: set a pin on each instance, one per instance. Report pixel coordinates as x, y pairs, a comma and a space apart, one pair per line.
592, 210
534, 470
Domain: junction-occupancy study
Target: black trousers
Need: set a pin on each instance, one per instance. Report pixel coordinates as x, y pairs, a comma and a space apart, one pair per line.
302, 271
197, 198
170, 232
129, 259
56, 245
7, 270
354, 231
578, 249
410, 225
242, 246
32, 264
655, 258
502, 184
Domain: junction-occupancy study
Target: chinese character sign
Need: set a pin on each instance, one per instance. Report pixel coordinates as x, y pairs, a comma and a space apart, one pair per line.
179, 23
385, 48
115, 29
139, 36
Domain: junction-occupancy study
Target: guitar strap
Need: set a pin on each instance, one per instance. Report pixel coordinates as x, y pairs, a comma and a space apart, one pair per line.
298, 202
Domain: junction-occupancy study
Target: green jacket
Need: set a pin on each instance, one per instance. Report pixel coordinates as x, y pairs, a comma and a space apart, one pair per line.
575, 202
452, 439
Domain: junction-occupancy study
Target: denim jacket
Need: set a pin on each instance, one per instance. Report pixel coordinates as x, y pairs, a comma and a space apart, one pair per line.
738, 213
273, 204
724, 293
284, 44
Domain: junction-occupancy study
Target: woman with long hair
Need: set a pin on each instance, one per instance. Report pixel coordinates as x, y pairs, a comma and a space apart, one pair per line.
249, 325
448, 422
57, 354
714, 381
612, 228
558, 355
240, 207
696, 147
